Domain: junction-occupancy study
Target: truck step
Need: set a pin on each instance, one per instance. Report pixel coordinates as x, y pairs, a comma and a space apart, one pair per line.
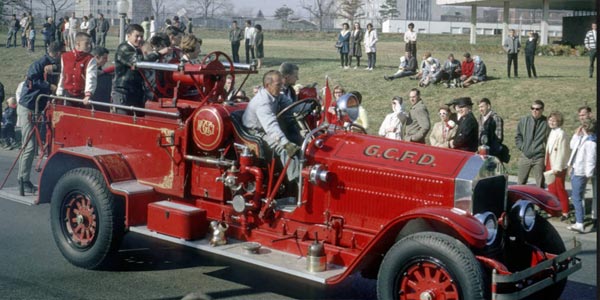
268, 258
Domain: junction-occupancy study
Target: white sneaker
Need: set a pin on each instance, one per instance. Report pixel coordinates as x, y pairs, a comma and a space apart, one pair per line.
355, 68
367, 68
346, 67
370, 69
577, 227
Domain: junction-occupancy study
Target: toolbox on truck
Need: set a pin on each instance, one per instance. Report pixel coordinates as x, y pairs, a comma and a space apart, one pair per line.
178, 220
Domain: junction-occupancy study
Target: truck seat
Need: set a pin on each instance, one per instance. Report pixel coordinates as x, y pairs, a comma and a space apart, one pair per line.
242, 136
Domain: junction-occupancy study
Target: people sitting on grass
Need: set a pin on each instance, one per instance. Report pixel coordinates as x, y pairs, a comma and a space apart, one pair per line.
466, 67
407, 67
451, 71
432, 73
479, 73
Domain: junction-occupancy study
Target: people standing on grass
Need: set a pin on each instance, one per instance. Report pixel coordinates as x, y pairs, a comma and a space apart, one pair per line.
23, 23
249, 39
530, 49
13, 29
590, 43
370, 46
556, 158
73, 28
582, 165
410, 40
356, 40
531, 137
512, 45
103, 27
235, 36
344, 42
258, 44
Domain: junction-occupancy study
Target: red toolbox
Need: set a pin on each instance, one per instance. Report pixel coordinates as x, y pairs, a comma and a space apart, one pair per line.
178, 220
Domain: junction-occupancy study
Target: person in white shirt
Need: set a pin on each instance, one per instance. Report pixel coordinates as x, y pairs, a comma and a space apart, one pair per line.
590, 42
370, 46
73, 29
249, 32
410, 40
152, 26
582, 165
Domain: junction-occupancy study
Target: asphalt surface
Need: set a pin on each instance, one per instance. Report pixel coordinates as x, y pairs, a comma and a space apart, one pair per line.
33, 268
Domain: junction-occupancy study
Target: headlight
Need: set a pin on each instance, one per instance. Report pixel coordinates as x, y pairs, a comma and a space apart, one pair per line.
526, 213
490, 222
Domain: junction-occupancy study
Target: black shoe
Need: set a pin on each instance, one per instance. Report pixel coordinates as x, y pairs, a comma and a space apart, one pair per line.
28, 187
564, 218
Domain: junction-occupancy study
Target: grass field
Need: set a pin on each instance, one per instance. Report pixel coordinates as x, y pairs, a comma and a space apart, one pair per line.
562, 81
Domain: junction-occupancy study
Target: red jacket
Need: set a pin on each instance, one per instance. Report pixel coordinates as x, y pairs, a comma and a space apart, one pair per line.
467, 68
74, 66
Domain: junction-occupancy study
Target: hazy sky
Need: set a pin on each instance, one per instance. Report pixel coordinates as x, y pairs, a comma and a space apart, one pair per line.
268, 7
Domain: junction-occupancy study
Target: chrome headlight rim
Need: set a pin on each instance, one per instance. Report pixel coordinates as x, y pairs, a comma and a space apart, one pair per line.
526, 213
490, 222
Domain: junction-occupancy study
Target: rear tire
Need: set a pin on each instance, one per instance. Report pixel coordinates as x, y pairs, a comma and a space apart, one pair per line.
430, 265
87, 220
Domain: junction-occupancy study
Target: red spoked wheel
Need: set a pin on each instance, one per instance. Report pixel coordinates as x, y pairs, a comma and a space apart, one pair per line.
87, 220
427, 279
430, 266
80, 218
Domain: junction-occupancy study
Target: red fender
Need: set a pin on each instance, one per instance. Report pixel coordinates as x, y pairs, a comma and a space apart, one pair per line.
466, 225
540, 197
116, 172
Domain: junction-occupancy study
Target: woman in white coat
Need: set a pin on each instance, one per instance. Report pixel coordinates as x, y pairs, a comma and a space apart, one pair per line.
370, 48
557, 155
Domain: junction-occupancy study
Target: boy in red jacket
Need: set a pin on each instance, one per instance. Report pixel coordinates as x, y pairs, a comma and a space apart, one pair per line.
79, 70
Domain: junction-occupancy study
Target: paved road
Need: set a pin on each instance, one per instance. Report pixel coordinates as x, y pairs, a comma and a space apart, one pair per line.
33, 268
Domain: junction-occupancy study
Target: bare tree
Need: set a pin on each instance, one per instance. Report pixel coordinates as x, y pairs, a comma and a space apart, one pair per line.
209, 8
20, 4
157, 7
351, 9
319, 9
56, 6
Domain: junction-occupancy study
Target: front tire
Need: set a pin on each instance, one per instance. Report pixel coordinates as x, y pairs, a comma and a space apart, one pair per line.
430, 265
87, 220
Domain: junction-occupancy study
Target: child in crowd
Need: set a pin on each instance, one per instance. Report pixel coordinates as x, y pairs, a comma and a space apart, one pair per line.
32, 39
9, 120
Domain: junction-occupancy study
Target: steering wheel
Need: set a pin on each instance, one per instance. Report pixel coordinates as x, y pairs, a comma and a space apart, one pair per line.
216, 55
357, 128
315, 105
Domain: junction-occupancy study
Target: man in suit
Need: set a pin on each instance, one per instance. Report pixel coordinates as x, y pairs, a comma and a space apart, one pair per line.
467, 133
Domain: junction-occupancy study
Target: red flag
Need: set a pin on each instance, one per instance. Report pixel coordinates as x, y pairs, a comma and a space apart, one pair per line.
328, 100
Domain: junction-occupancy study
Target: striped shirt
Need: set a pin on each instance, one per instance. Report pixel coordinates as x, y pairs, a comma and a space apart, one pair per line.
590, 39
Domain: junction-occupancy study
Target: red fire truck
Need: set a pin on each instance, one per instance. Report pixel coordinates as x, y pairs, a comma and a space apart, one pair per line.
427, 223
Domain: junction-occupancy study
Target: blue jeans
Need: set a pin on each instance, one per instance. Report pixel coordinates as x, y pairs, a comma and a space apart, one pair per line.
577, 196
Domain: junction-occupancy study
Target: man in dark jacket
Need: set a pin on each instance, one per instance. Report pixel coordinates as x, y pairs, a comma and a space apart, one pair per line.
13, 29
128, 84
103, 26
532, 134
491, 127
466, 137
409, 70
512, 45
35, 84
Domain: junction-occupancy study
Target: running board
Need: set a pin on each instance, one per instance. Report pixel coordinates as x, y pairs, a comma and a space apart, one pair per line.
268, 258
12, 193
